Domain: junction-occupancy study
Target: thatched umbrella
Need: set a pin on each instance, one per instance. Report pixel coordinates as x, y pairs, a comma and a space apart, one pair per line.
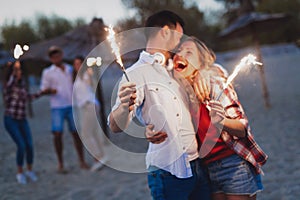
79, 41
253, 23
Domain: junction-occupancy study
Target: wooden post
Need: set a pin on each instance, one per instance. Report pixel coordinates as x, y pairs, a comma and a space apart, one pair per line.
262, 71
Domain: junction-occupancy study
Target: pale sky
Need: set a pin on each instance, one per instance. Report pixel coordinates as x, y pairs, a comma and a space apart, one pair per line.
110, 10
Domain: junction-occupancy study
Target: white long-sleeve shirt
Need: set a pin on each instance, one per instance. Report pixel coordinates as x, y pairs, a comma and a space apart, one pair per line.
161, 101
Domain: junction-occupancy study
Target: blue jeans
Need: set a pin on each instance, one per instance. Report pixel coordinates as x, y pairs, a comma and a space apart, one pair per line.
165, 186
234, 175
58, 115
19, 131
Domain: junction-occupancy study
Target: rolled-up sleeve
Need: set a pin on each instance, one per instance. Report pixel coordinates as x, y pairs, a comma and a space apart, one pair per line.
233, 107
139, 99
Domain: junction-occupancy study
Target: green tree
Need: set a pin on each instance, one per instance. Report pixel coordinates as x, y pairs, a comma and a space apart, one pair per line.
42, 28
49, 27
79, 22
195, 23
23, 33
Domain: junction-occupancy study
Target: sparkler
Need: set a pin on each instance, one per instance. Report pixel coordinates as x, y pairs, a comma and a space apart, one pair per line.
18, 50
115, 49
246, 61
94, 61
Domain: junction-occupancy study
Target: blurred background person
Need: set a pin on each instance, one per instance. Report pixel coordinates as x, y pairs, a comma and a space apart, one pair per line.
59, 77
86, 104
15, 97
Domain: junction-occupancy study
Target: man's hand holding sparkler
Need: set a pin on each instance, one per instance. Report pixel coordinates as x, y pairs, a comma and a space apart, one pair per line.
127, 95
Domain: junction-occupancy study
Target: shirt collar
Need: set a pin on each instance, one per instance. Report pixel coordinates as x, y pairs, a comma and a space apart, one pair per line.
146, 57
54, 67
159, 58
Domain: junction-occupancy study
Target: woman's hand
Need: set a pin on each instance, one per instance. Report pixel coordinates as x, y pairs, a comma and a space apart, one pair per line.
201, 85
217, 112
233, 126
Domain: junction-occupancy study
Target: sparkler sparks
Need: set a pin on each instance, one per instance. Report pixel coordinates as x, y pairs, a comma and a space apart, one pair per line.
246, 61
115, 49
94, 61
18, 50
26, 47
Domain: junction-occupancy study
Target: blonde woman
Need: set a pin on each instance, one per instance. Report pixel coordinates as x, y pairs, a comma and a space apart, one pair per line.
227, 147
232, 157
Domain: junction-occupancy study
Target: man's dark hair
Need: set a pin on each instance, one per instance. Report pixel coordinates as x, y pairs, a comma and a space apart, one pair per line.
161, 19
54, 50
78, 57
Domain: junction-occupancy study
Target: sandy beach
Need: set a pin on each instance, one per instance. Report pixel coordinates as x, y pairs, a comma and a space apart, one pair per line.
276, 130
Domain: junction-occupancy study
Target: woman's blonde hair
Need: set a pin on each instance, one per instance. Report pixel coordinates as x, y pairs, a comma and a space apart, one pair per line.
207, 56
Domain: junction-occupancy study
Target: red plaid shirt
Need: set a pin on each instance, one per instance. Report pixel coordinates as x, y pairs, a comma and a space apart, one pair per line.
15, 98
245, 147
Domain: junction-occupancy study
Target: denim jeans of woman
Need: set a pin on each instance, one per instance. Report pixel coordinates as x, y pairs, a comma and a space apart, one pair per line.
19, 131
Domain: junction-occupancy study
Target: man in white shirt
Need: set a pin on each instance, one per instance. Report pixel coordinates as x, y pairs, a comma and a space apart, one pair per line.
58, 76
155, 97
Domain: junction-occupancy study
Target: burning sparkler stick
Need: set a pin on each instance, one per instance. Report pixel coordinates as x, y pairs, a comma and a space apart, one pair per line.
246, 61
115, 49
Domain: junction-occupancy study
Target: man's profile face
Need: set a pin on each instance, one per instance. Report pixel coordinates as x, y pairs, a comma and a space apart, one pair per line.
56, 58
175, 37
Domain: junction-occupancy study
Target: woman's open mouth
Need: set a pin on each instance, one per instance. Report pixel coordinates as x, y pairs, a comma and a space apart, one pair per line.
179, 63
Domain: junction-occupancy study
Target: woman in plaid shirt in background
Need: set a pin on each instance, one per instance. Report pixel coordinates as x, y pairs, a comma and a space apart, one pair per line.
228, 149
15, 98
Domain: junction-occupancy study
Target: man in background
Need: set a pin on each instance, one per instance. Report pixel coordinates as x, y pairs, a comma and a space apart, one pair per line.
58, 76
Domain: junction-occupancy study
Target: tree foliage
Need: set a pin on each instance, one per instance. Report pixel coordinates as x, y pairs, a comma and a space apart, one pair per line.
51, 27
22, 33
195, 23
289, 31
236, 8
42, 28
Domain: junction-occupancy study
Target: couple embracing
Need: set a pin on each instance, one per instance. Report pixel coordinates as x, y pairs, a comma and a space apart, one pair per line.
200, 147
